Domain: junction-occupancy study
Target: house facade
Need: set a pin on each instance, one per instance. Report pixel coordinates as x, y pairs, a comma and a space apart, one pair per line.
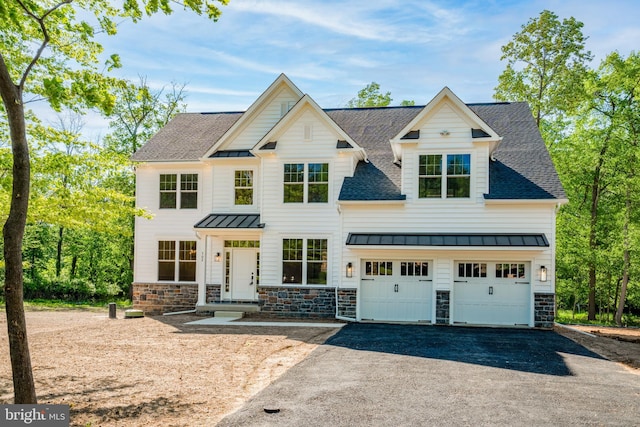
443, 213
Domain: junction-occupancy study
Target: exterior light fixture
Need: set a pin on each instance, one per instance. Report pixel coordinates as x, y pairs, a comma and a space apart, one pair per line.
444, 132
543, 273
349, 272
218, 258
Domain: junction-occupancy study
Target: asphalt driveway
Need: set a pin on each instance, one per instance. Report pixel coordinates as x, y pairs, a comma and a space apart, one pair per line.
403, 375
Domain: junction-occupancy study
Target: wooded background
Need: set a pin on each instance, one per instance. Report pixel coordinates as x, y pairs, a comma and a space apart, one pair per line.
78, 242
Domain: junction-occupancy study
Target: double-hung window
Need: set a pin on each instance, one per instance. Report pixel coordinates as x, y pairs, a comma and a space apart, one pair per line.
306, 182
244, 187
449, 180
304, 261
186, 198
177, 259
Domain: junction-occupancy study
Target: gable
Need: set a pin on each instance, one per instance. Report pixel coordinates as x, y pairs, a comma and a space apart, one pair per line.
263, 114
445, 122
307, 129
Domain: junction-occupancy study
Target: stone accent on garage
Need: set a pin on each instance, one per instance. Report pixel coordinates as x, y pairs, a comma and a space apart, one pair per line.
545, 310
158, 298
443, 302
297, 302
213, 293
347, 299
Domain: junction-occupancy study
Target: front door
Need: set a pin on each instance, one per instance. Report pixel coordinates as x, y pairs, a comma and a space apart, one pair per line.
243, 274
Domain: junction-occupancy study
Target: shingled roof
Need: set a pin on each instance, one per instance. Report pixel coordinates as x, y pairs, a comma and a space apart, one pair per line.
522, 168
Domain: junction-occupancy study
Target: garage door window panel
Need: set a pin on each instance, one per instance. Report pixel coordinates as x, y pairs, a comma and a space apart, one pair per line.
408, 268
472, 269
379, 268
510, 271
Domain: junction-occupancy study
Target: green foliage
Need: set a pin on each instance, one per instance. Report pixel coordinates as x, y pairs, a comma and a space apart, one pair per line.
545, 65
568, 317
370, 96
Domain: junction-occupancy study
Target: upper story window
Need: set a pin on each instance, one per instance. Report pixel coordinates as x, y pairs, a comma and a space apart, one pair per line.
186, 198
450, 180
244, 187
310, 184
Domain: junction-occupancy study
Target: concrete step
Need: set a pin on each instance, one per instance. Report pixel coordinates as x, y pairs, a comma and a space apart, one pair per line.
237, 314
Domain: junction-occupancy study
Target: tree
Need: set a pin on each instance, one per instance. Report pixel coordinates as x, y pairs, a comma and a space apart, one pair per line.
140, 112
546, 62
370, 96
48, 50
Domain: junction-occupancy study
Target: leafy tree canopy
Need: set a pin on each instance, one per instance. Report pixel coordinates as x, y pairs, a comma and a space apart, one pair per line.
545, 65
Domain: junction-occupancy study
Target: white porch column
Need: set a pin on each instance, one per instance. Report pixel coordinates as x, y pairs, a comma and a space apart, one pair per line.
202, 274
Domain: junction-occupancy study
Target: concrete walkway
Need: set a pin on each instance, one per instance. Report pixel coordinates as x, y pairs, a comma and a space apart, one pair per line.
235, 321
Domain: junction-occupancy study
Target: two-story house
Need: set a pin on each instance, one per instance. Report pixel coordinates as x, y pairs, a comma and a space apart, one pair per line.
443, 213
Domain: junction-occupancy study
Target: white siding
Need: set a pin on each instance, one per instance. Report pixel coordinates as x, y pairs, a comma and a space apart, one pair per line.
265, 119
165, 224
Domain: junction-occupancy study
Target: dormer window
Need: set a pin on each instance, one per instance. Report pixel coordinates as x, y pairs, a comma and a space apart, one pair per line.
450, 180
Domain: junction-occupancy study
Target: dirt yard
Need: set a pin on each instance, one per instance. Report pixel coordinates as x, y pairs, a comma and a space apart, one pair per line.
151, 371
618, 344
158, 371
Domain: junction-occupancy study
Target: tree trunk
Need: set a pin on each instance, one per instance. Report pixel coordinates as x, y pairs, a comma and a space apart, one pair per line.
59, 252
627, 261
593, 242
13, 234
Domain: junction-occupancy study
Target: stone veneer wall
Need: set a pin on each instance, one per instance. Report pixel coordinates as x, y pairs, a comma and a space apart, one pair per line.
544, 306
443, 299
347, 299
158, 298
297, 302
213, 293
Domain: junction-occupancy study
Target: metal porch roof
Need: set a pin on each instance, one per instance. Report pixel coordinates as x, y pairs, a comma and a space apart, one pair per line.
230, 221
447, 239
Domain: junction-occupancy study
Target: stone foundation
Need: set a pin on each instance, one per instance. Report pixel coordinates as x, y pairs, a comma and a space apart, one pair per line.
544, 306
297, 302
158, 298
443, 299
213, 293
347, 300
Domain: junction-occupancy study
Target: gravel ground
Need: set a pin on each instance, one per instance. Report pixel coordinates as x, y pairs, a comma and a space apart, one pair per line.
151, 371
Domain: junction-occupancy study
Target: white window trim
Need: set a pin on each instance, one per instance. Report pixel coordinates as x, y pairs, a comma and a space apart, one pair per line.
179, 191
176, 260
254, 188
443, 177
305, 238
305, 182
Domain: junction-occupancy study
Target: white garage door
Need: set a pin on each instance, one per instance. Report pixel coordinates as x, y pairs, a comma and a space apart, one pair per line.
492, 293
396, 291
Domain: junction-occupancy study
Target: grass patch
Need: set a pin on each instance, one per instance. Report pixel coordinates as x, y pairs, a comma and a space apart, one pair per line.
48, 304
568, 317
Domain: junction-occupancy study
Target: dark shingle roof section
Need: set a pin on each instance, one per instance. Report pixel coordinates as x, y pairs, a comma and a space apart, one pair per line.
230, 221
447, 239
187, 137
372, 128
522, 168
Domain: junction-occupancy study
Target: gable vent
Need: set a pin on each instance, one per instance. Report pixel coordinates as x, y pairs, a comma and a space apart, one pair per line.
478, 133
308, 132
412, 134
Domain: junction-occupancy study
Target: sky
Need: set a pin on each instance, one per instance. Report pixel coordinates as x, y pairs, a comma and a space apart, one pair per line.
331, 49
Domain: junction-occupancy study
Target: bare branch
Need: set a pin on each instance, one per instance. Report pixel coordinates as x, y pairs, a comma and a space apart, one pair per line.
45, 41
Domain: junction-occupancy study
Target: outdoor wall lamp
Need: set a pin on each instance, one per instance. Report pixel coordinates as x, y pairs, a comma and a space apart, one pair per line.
543, 273
349, 270
217, 258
